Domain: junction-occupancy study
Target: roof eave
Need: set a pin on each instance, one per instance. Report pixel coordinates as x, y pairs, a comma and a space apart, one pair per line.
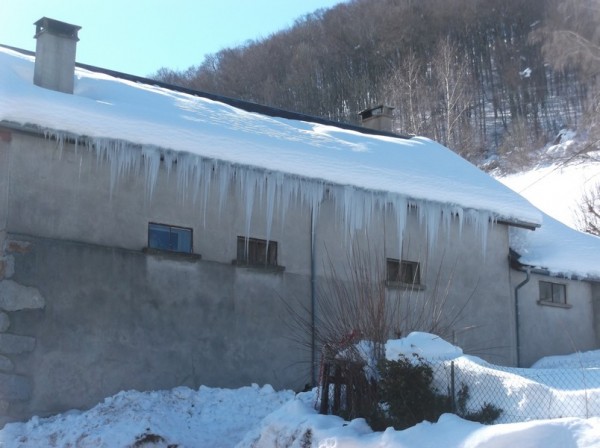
519, 223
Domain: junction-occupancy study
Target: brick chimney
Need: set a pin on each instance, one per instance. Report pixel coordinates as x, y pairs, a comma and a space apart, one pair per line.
55, 54
378, 118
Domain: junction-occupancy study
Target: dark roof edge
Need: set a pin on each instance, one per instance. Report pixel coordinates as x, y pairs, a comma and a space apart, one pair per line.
518, 223
240, 104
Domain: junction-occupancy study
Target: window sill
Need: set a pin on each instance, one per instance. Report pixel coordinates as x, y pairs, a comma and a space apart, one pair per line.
553, 304
186, 256
400, 285
258, 267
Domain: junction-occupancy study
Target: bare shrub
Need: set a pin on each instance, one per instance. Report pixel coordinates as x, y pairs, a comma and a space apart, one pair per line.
354, 302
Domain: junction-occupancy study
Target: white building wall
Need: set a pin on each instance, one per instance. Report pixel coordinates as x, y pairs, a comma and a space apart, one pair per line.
115, 317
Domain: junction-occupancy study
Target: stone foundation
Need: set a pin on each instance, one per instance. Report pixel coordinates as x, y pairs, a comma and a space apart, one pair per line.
14, 297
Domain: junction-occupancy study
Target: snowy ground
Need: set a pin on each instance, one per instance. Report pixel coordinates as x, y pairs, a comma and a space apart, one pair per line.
262, 417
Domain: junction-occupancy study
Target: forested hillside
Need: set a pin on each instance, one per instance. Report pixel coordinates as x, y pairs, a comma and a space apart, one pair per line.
485, 77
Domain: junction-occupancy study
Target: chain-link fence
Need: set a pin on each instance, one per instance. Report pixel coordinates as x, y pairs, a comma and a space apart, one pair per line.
520, 394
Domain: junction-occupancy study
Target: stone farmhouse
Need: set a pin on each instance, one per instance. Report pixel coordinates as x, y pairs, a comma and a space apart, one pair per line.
152, 237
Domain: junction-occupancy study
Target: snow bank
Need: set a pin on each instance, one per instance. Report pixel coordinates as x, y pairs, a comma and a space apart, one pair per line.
590, 359
182, 417
259, 417
297, 425
426, 345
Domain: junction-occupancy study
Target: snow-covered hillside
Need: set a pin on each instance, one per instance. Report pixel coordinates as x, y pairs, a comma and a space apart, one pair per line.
556, 189
561, 178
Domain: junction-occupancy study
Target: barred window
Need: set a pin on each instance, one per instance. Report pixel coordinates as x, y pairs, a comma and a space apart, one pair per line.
256, 252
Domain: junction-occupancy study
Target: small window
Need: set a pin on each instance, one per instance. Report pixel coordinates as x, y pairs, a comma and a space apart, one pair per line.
256, 252
553, 292
169, 238
403, 271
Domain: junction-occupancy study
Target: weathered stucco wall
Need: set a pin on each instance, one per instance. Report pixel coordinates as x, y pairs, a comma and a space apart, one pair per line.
115, 317
547, 330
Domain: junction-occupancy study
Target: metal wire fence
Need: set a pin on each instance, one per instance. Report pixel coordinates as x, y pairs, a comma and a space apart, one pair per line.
520, 394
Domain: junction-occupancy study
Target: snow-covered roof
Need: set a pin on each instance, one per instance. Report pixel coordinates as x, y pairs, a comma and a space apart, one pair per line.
558, 249
103, 106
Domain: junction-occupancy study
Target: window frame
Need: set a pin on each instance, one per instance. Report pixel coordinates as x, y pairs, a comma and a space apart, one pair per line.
249, 250
170, 228
552, 300
398, 279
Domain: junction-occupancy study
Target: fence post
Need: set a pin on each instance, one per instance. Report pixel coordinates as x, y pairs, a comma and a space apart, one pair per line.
452, 388
325, 379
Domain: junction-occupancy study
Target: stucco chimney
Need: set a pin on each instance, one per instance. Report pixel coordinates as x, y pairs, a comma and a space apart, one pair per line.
378, 118
55, 54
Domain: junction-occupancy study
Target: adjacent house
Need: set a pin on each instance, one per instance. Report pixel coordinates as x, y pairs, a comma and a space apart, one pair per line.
152, 236
555, 273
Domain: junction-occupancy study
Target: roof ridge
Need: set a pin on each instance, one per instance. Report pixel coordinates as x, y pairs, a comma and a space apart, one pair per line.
247, 106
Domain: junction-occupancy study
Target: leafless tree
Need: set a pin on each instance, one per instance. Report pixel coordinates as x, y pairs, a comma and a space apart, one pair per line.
453, 83
455, 70
588, 211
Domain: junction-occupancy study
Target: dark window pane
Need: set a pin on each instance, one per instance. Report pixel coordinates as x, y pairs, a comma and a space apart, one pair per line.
403, 271
553, 292
254, 251
546, 291
410, 272
393, 270
181, 239
558, 293
159, 237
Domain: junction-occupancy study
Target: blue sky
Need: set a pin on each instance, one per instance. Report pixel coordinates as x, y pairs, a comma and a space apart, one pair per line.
140, 36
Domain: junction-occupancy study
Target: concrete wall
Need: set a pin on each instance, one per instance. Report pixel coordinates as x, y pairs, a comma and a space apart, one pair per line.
116, 319
465, 293
5, 140
596, 310
113, 317
547, 330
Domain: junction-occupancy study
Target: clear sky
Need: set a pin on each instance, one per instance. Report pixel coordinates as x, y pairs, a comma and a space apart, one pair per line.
140, 36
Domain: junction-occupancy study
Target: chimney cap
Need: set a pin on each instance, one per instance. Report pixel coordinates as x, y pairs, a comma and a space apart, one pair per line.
56, 27
381, 109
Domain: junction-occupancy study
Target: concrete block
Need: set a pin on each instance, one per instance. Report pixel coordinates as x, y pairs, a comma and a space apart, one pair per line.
18, 247
16, 297
6, 365
12, 344
7, 266
4, 322
14, 387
